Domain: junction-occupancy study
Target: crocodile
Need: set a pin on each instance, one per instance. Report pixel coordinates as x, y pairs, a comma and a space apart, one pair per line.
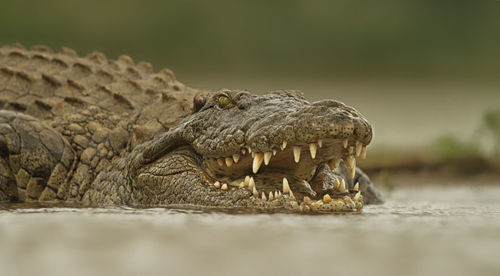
98, 132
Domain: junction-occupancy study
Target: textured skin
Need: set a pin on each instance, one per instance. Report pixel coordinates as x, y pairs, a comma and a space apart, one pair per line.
101, 132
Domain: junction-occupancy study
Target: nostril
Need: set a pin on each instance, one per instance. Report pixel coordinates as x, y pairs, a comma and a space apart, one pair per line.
243, 104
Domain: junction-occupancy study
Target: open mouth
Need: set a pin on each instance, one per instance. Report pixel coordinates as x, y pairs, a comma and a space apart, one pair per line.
306, 176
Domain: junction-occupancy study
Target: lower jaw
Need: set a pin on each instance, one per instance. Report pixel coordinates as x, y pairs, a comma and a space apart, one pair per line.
346, 203
284, 199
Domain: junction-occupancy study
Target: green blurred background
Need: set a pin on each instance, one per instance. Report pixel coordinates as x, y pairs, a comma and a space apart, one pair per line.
355, 39
420, 71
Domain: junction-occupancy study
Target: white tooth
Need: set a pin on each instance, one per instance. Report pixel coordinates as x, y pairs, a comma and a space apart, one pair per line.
274, 152
350, 162
320, 143
327, 198
264, 196
254, 192
276, 194
334, 163
251, 183
357, 196
242, 185
292, 197
224, 187
243, 151
236, 158
229, 161
356, 187
249, 150
283, 146
267, 157
352, 171
286, 187
257, 161
220, 161
253, 154
313, 147
279, 193
271, 197
247, 180
336, 184
345, 142
217, 184
362, 155
359, 146
342, 188
296, 154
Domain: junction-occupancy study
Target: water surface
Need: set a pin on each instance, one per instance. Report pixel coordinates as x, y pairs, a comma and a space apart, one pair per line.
419, 231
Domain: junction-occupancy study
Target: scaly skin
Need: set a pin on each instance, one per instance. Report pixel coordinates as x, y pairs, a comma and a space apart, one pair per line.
97, 132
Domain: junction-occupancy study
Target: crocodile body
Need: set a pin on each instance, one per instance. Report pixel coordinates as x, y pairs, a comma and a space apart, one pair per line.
98, 132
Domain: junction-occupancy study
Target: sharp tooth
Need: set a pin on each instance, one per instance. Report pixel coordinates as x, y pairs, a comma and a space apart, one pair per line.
249, 150
356, 187
247, 180
251, 183
336, 184
253, 154
276, 194
217, 184
286, 187
342, 188
352, 171
359, 146
254, 192
313, 147
320, 143
267, 157
242, 185
279, 193
292, 197
283, 146
274, 152
264, 196
362, 155
334, 163
345, 143
224, 187
243, 151
296, 154
271, 197
357, 196
229, 161
220, 161
236, 158
257, 161
327, 198
350, 162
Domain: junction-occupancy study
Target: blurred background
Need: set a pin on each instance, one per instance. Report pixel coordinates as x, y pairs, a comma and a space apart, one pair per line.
424, 73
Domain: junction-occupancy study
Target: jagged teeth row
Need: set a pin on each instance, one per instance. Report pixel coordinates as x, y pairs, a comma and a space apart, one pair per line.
359, 150
249, 183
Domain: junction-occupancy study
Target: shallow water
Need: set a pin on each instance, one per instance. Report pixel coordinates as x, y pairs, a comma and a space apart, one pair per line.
419, 231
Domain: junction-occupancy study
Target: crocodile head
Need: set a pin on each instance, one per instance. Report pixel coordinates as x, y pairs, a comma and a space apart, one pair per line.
273, 151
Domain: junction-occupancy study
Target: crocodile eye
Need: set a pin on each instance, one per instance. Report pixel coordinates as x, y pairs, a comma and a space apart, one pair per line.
224, 101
